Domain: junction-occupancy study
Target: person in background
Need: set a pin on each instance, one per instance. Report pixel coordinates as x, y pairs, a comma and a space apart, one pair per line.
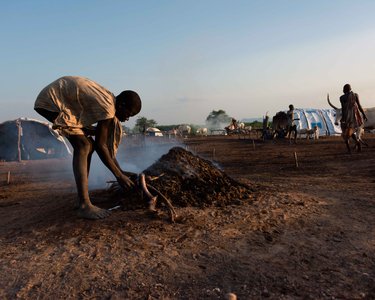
353, 115
233, 124
265, 127
292, 126
74, 104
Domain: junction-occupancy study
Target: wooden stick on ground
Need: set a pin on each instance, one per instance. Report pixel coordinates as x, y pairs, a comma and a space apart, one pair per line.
153, 199
296, 159
172, 211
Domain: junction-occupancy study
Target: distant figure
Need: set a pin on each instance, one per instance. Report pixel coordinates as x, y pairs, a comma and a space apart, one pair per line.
292, 126
353, 115
265, 127
233, 124
73, 104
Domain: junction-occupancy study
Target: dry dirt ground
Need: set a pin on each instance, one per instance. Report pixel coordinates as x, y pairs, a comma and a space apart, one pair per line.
305, 232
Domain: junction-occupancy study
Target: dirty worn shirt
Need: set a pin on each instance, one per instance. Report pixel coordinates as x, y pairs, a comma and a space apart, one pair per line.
79, 102
351, 115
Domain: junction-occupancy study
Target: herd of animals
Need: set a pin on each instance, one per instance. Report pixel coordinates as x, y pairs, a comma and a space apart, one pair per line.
280, 125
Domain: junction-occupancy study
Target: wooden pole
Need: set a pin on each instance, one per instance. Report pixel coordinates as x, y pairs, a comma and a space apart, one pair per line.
213, 154
19, 139
296, 159
8, 177
253, 145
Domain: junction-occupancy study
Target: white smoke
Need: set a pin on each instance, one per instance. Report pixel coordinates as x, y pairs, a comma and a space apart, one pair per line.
135, 154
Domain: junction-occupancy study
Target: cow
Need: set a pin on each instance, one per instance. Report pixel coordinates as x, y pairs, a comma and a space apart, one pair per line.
184, 130
358, 133
172, 132
202, 131
279, 124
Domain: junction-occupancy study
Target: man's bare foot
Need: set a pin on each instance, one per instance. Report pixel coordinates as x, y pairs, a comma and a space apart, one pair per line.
93, 212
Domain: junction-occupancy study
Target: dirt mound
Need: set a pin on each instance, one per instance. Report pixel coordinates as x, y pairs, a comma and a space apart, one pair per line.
189, 180
185, 179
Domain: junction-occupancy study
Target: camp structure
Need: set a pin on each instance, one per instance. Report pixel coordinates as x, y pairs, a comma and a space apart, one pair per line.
152, 131
28, 139
323, 118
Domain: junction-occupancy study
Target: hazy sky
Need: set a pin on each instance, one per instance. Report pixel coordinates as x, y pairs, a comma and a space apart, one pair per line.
187, 58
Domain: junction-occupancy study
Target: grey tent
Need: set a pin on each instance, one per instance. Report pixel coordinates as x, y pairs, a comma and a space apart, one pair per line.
27, 139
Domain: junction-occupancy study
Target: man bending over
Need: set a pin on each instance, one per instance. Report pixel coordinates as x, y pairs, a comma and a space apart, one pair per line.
73, 104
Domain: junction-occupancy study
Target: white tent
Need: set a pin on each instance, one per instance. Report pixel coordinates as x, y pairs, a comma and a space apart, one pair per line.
323, 118
152, 131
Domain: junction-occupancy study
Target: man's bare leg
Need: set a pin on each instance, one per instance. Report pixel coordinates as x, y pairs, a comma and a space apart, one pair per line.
295, 134
78, 203
83, 148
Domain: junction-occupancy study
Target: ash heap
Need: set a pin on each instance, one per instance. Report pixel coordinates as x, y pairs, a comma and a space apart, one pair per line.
189, 180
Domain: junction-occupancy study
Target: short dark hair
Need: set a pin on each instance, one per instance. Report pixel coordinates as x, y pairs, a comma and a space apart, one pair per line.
130, 99
347, 88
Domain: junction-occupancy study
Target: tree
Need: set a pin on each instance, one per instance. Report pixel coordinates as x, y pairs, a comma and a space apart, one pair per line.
143, 123
216, 118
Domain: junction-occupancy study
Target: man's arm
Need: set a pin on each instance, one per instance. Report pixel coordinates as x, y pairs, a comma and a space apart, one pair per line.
101, 147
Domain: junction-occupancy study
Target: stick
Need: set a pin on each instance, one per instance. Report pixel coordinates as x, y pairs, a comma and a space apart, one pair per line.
115, 207
295, 159
8, 177
213, 153
152, 199
166, 200
19, 132
253, 145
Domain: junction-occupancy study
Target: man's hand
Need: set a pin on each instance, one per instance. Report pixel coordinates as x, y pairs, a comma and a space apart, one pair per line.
125, 182
133, 176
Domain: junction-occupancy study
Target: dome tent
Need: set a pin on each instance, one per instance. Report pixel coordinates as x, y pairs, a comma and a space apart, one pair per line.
152, 131
323, 118
28, 139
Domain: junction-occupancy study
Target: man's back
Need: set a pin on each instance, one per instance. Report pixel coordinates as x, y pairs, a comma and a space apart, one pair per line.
79, 101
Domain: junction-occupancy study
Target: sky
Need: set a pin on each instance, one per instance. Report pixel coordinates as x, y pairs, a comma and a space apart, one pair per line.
188, 58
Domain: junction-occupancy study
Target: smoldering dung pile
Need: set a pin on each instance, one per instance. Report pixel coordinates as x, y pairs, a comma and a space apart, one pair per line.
189, 180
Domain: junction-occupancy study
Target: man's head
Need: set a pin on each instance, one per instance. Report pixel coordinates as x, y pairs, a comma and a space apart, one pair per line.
291, 107
128, 104
347, 88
